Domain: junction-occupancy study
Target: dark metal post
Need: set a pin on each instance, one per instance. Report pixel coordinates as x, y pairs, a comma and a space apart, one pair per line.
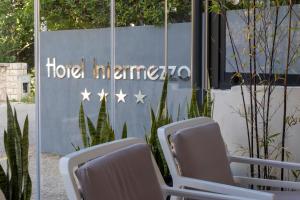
197, 46
216, 50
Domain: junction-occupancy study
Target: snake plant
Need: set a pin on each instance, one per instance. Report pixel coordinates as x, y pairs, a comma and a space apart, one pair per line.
102, 132
205, 109
161, 118
15, 182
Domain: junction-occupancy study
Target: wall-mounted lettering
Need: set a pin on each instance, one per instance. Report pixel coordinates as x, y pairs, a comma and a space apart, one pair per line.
121, 72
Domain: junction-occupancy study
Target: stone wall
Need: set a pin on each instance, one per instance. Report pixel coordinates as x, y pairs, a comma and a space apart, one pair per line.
14, 81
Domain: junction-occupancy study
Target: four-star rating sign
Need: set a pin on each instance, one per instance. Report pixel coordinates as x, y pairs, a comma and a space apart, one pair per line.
121, 96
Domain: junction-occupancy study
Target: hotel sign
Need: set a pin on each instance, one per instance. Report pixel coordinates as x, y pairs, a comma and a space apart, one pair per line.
121, 72
74, 69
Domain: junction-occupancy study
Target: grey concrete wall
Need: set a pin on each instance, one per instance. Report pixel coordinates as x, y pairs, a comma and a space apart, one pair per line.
60, 98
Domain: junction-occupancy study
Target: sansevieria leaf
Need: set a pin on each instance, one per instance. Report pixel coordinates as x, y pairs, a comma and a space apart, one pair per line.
11, 154
25, 149
102, 116
124, 132
92, 131
3, 181
15, 182
82, 127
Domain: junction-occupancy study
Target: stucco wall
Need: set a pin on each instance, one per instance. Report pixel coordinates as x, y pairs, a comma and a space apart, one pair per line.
228, 103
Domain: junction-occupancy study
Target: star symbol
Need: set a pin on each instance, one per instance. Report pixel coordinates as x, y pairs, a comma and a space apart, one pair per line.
140, 97
121, 96
85, 95
102, 95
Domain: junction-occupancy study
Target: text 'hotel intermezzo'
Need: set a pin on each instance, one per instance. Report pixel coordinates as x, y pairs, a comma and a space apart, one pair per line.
125, 72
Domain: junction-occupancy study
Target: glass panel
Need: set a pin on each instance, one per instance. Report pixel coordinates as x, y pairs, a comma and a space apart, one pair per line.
17, 83
139, 54
180, 57
265, 22
142, 57
75, 51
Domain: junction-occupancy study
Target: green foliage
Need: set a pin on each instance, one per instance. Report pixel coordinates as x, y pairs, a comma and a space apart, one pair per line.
159, 119
207, 106
30, 97
162, 117
100, 133
296, 174
78, 14
32, 82
216, 6
193, 108
16, 31
15, 183
205, 109
124, 132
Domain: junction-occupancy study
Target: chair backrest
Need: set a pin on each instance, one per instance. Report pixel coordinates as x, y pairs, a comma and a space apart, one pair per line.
121, 169
195, 148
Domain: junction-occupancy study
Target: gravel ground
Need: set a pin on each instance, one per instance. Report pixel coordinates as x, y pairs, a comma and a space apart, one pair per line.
52, 187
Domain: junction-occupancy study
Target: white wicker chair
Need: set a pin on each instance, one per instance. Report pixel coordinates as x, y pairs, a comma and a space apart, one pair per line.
166, 133
70, 163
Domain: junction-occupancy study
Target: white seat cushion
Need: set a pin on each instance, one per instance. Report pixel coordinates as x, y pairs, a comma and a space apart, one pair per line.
286, 195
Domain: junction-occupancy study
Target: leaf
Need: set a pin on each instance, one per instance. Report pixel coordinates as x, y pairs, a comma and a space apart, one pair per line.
11, 152
25, 151
76, 148
107, 134
102, 116
153, 128
28, 189
92, 131
82, 127
163, 98
124, 131
17, 124
3, 182
194, 110
19, 160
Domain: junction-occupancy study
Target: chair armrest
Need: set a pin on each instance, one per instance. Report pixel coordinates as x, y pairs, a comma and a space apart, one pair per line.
198, 194
267, 182
257, 161
221, 188
66, 172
